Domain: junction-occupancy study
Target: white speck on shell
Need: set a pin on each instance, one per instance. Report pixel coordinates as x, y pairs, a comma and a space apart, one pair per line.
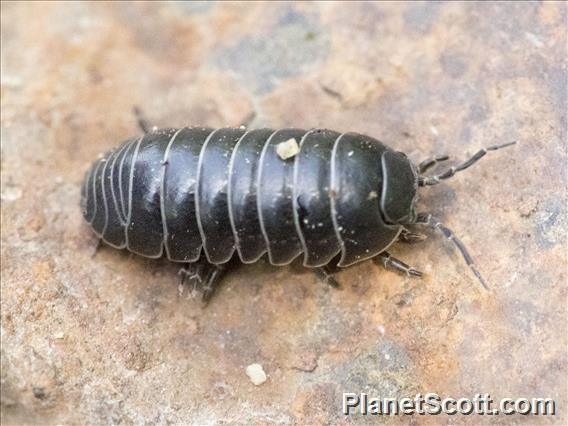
287, 149
256, 374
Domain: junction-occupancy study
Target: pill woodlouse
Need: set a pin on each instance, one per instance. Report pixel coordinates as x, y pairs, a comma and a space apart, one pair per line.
198, 195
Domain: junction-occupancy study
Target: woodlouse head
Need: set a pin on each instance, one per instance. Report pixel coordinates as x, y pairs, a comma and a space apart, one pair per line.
400, 184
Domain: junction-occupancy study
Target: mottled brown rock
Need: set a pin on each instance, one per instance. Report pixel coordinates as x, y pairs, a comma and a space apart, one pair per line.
106, 337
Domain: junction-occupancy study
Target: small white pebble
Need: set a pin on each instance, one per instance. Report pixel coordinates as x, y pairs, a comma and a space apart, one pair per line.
11, 193
534, 39
11, 81
287, 149
256, 374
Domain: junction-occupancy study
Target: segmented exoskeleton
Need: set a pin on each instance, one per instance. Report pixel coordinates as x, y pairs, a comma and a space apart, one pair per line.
198, 195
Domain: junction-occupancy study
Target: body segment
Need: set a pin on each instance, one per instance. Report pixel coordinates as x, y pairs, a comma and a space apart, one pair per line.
274, 200
144, 231
311, 197
211, 197
179, 184
243, 193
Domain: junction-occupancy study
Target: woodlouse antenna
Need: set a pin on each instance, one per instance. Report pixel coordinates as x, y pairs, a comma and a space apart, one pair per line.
436, 179
430, 221
427, 164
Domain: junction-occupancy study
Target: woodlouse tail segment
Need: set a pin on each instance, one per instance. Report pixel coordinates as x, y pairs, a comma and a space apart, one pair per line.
430, 221
436, 179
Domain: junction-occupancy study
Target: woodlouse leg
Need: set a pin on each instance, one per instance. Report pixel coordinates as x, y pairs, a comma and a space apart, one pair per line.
192, 272
397, 264
410, 237
190, 278
427, 164
429, 220
214, 275
142, 121
97, 247
326, 274
202, 276
246, 121
434, 180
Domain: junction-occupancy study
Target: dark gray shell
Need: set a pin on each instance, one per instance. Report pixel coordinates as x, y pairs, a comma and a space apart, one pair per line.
194, 191
356, 183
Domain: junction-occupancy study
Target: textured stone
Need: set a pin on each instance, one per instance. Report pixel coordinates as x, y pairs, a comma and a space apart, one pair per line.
106, 337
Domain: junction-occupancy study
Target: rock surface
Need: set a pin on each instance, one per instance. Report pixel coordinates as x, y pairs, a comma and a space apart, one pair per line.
107, 338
